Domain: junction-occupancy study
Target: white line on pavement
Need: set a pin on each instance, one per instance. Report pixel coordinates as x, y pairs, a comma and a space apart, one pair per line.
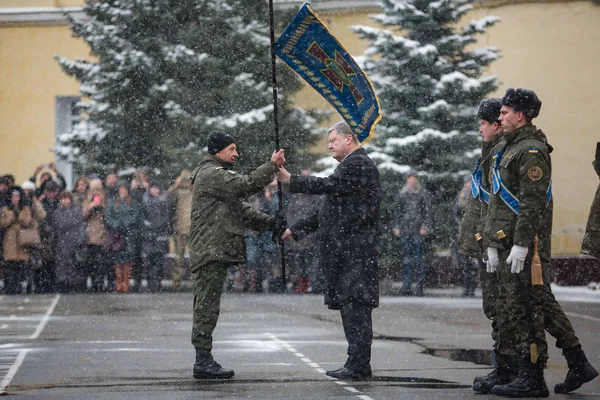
21, 356
572, 314
45, 319
12, 371
315, 366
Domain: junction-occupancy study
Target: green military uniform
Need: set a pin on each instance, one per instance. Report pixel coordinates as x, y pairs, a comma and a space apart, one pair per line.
591, 239
469, 226
217, 234
524, 168
471, 230
489, 281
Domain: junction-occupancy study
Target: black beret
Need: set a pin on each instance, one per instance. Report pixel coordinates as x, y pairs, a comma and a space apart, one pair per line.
217, 141
489, 110
523, 100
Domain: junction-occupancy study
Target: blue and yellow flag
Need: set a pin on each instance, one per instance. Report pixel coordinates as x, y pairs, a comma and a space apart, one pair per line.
309, 48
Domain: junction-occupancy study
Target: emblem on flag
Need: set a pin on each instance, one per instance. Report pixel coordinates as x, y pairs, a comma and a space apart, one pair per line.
309, 48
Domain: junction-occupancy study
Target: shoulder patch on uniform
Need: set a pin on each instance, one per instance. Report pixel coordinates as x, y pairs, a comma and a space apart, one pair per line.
231, 172
533, 149
535, 173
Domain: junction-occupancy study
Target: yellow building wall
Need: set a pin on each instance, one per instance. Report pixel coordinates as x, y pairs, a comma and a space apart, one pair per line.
30, 80
39, 3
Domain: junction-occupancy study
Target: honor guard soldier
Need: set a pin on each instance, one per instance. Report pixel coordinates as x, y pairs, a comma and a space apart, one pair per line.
517, 238
471, 237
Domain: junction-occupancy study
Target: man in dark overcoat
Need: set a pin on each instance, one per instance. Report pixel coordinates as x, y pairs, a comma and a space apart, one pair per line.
347, 226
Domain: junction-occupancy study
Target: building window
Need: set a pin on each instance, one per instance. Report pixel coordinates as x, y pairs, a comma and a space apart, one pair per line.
66, 118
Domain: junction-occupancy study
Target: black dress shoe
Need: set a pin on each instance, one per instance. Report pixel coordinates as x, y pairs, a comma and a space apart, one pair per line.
335, 371
347, 374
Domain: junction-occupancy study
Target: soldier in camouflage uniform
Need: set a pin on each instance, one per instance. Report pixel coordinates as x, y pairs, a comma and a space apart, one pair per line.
591, 239
217, 236
517, 238
471, 243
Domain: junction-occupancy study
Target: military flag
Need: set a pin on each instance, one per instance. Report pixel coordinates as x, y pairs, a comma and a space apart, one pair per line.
311, 50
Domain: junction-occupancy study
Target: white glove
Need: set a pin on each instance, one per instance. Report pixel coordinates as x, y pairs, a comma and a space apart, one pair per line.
492, 262
516, 258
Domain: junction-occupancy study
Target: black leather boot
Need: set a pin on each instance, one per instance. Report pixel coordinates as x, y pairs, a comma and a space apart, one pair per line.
207, 368
529, 383
580, 371
505, 371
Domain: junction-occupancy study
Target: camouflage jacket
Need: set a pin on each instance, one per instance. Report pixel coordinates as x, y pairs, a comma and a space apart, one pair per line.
591, 239
473, 220
218, 214
525, 170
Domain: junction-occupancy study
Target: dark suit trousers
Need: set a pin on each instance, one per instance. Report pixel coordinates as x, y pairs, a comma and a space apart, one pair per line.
358, 327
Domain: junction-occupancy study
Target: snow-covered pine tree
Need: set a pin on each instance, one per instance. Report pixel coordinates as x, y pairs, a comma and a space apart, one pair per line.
167, 72
429, 79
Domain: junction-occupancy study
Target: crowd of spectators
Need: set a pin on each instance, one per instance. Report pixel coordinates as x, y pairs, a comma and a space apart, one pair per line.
113, 233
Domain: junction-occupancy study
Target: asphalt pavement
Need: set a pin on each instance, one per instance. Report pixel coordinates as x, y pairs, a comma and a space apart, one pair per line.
137, 346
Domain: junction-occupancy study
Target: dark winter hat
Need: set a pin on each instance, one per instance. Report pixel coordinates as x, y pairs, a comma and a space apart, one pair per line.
217, 141
523, 100
156, 185
489, 110
51, 185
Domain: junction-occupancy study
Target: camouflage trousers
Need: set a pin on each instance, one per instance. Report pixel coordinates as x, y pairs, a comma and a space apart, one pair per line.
208, 287
489, 296
524, 311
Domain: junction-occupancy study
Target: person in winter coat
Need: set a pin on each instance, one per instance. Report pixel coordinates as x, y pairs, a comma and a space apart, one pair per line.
67, 240
35, 257
15, 216
412, 215
110, 185
303, 255
219, 218
270, 255
181, 198
124, 215
80, 189
99, 261
347, 225
44, 276
591, 239
43, 175
155, 234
